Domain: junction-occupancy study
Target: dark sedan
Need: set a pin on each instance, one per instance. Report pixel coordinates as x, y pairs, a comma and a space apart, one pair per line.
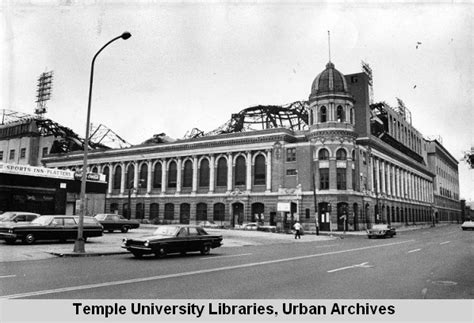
50, 227
18, 216
168, 239
112, 222
381, 231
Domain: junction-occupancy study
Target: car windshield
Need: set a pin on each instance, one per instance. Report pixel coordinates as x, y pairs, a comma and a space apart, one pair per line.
7, 216
101, 217
42, 220
379, 227
166, 231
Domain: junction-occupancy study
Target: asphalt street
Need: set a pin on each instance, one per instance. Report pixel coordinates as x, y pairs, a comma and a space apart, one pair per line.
429, 263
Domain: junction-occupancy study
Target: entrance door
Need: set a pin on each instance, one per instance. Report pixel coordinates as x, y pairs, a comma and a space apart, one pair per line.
237, 214
324, 216
342, 216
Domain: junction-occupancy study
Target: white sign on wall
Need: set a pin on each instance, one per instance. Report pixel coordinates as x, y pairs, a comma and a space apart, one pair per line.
28, 170
283, 207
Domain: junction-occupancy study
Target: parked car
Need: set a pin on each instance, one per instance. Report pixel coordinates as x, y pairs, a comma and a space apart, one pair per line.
208, 224
467, 225
50, 227
168, 239
112, 222
18, 216
250, 226
381, 231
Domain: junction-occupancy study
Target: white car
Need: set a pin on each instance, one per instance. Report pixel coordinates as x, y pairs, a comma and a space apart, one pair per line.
468, 225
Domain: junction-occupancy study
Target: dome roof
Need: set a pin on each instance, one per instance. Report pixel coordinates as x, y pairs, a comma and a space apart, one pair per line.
329, 81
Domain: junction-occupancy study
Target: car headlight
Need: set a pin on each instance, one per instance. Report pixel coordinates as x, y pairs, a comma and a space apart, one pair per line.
10, 230
124, 241
147, 243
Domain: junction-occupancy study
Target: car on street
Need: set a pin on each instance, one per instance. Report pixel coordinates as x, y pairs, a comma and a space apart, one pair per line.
467, 225
250, 226
50, 227
167, 239
112, 222
208, 224
381, 231
18, 216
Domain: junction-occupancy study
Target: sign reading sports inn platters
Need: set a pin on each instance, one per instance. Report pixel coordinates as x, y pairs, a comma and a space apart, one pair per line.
28, 170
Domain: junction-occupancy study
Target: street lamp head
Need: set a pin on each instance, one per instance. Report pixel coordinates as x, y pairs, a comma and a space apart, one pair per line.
126, 35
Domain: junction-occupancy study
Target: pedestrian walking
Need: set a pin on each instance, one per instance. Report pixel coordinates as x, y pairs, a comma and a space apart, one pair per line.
297, 227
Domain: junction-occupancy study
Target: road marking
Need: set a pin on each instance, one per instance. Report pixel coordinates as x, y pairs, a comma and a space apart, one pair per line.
362, 265
219, 257
414, 250
190, 273
7, 276
445, 242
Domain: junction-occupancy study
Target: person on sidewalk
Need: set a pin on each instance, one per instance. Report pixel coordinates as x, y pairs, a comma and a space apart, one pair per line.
297, 227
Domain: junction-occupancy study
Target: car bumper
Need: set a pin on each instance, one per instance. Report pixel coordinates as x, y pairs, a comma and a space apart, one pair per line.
140, 249
6, 235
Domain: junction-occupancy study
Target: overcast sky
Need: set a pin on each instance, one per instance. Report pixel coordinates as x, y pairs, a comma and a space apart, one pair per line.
193, 64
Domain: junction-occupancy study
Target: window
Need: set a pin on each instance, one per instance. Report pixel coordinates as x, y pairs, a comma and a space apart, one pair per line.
219, 212
341, 154
23, 153
323, 114
290, 154
341, 115
169, 211
324, 178
259, 170
172, 173
1, 155
106, 171
143, 176
157, 175
188, 174
130, 176
353, 179
222, 172
341, 178
12, 154
204, 173
201, 212
44, 152
323, 154
291, 172
117, 177
240, 171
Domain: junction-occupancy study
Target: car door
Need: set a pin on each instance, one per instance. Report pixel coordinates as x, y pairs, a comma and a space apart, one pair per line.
180, 243
194, 240
70, 228
55, 230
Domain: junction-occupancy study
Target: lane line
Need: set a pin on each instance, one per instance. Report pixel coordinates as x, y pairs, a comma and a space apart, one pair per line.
348, 267
7, 276
190, 273
219, 257
414, 250
445, 242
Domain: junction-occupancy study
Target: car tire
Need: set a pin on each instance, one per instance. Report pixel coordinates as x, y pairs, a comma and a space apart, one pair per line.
161, 252
137, 255
29, 238
369, 237
124, 229
206, 249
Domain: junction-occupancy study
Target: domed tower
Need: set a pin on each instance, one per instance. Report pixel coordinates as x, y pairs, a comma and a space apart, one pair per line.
331, 105
333, 140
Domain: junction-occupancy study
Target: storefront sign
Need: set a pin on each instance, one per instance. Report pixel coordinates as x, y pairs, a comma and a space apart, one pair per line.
89, 176
283, 207
27, 170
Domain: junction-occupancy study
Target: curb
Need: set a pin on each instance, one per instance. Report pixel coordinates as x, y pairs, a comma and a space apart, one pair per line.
87, 254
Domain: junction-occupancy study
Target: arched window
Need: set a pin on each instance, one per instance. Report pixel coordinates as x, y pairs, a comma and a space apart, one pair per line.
352, 115
157, 176
353, 155
204, 173
106, 172
240, 171
114, 207
95, 169
323, 114
219, 212
188, 174
341, 154
323, 154
172, 173
184, 213
221, 172
130, 176
140, 211
117, 177
259, 171
126, 211
143, 176
341, 116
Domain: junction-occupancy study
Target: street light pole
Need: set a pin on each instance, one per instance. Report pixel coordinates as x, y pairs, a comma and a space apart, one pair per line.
79, 243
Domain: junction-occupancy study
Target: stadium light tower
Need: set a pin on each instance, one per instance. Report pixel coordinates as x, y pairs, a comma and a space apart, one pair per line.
79, 243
